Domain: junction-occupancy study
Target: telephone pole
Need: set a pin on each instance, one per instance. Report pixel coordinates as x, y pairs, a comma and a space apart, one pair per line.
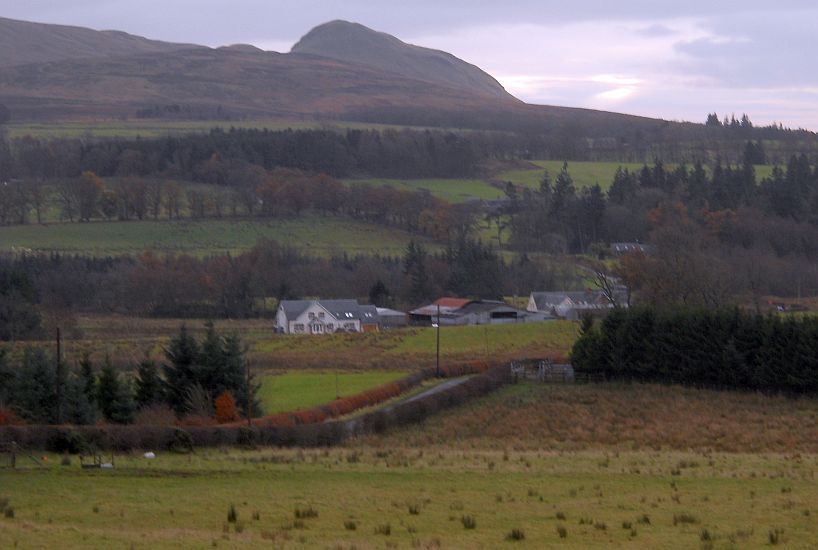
248, 407
59, 378
437, 367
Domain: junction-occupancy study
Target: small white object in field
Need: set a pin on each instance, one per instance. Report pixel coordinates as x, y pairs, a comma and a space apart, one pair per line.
149, 455
107, 466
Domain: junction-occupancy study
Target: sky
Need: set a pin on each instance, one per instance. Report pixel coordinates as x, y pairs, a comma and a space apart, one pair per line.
672, 60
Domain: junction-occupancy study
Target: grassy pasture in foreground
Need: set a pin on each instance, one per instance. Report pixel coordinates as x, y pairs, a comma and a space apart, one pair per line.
301, 390
621, 417
586, 174
317, 235
404, 497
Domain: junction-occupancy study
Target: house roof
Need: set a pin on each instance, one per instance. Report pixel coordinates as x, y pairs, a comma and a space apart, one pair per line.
343, 310
294, 308
386, 312
486, 305
455, 307
369, 314
454, 303
547, 300
577, 299
621, 248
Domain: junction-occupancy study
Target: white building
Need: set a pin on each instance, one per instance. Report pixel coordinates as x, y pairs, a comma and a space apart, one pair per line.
324, 317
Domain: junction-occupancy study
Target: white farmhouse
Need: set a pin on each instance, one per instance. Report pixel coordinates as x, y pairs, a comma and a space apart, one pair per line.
324, 317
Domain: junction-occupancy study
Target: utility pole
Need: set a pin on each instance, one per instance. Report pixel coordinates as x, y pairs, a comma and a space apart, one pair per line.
437, 368
248, 405
59, 378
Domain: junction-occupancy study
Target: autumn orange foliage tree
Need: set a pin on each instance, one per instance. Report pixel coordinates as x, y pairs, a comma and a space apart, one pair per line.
226, 408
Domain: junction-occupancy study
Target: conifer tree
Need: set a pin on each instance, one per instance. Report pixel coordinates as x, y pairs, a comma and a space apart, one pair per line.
114, 396
150, 388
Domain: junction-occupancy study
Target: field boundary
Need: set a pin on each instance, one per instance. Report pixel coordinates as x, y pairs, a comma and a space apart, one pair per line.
79, 439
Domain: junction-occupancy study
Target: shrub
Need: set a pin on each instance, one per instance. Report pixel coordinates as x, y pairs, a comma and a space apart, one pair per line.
8, 512
562, 531
350, 525
684, 518
232, 514
182, 441
414, 509
67, 441
468, 522
515, 535
305, 513
155, 415
9, 418
247, 437
383, 529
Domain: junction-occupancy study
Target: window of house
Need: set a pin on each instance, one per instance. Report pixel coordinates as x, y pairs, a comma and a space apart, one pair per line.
317, 329
312, 316
298, 327
321, 315
330, 326
349, 326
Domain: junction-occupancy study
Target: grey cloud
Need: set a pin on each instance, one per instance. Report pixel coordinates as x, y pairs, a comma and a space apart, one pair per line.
770, 52
219, 21
655, 30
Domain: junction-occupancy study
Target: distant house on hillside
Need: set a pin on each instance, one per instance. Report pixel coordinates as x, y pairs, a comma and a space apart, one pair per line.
571, 305
461, 311
324, 317
617, 249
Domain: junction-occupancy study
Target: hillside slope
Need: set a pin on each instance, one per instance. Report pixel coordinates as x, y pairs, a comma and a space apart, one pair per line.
356, 43
23, 42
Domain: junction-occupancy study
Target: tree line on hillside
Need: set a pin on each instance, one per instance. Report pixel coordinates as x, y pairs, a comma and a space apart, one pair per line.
281, 193
43, 292
557, 217
199, 381
715, 237
716, 348
214, 157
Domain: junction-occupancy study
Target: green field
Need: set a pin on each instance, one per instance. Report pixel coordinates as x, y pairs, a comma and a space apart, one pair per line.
415, 347
302, 390
318, 235
450, 190
368, 497
587, 174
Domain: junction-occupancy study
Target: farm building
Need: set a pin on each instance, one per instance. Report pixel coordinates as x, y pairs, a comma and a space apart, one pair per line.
461, 311
571, 305
324, 317
391, 318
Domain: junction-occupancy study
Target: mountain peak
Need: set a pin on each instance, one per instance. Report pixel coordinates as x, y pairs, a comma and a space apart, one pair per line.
356, 43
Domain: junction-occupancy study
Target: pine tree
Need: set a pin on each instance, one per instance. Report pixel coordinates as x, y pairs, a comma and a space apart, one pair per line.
79, 409
183, 369
34, 393
150, 388
114, 396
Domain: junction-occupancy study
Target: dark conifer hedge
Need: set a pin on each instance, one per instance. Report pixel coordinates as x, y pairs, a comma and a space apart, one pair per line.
713, 348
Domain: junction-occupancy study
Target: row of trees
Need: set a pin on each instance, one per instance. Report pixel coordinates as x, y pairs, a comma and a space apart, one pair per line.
713, 347
206, 379
237, 286
216, 156
557, 217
